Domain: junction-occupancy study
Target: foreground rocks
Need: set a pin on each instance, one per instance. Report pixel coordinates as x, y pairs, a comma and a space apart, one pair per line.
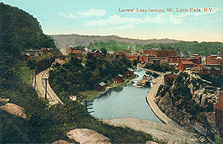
14, 109
166, 133
86, 136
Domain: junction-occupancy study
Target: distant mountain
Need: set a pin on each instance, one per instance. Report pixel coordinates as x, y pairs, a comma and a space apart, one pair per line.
75, 39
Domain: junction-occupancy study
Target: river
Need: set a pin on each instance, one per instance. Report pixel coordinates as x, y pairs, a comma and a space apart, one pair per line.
128, 101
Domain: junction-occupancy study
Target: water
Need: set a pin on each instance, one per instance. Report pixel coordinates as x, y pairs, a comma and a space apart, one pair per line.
124, 102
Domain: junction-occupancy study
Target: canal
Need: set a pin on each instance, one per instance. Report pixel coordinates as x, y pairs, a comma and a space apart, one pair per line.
128, 101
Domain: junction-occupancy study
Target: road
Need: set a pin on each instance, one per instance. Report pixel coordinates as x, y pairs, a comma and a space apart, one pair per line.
151, 97
40, 88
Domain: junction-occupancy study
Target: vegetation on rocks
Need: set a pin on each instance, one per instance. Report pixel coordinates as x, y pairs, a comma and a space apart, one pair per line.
189, 100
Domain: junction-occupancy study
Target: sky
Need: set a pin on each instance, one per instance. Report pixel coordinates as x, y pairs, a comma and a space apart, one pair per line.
124, 18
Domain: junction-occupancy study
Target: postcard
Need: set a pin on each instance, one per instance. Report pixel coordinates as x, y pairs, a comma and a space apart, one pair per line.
96, 71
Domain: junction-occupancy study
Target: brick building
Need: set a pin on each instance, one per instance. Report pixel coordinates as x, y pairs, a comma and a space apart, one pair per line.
169, 77
198, 69
198, 57
132, 56
143, 58
213, 59
160, 53
173, 59
185, 64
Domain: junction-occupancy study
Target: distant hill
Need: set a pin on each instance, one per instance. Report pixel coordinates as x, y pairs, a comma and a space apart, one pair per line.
75, 39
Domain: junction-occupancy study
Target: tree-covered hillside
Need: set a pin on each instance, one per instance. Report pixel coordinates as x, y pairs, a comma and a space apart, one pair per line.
44, 124
186, 48
20, 31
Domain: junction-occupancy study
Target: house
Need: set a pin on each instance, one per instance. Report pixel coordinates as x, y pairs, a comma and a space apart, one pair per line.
211, 70
185, 64
119, 78
97, 53
169, 77
129, 72
101, 86
198, 69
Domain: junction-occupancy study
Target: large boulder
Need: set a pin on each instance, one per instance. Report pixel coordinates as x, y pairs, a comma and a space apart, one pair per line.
86, 136
14, 109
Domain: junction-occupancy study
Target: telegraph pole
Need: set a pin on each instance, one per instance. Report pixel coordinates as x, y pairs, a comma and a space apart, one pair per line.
45, 87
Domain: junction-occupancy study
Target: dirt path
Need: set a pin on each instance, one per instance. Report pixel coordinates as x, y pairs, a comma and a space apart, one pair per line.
40, 88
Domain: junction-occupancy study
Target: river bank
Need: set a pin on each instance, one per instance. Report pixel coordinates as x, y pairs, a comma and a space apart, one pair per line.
151, 97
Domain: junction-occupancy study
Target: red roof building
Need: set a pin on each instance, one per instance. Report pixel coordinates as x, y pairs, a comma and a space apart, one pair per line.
143, 58
173, 59
185, 64
132, 56
213, 59
160, 53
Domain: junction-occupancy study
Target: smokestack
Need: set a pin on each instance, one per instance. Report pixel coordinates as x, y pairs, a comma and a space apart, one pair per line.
130, 48
135, 49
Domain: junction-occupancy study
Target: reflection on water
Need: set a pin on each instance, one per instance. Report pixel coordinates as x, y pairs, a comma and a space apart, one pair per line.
124, 102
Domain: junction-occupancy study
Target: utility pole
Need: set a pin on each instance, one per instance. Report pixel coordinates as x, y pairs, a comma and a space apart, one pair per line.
35, 75
45, 87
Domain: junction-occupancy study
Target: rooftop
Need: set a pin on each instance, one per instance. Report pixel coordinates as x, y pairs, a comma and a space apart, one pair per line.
187, 62
102, 84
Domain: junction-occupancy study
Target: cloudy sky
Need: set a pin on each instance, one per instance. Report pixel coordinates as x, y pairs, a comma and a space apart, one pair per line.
103, 17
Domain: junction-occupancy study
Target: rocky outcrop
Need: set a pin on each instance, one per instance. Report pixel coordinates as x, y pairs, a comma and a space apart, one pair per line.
86, 136
189, 101
14, 109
